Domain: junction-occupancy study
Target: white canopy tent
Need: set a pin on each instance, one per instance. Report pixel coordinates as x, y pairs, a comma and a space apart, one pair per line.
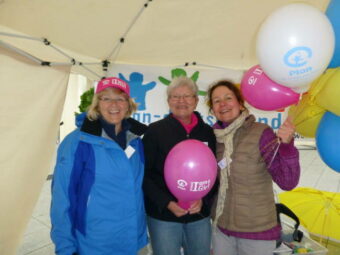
166, 33
42, 41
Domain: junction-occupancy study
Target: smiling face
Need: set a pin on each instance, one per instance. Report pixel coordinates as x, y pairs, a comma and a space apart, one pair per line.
182, 102
225, 105
113, 105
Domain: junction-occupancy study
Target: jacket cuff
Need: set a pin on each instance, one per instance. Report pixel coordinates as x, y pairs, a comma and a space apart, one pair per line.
288, 149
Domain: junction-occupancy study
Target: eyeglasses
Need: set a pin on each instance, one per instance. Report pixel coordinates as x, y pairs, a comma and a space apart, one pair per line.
184, 97
117, 100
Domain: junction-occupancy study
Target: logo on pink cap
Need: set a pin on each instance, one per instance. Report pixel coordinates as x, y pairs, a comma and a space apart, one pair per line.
113, 82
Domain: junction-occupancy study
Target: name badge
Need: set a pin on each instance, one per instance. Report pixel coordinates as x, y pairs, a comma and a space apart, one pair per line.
223, 163
129, 151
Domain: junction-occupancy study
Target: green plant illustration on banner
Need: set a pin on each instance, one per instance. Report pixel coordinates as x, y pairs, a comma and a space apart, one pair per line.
86, 97
85, 100
181, 72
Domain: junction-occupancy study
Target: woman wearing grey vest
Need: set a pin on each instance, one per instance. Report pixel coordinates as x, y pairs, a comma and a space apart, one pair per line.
250, 157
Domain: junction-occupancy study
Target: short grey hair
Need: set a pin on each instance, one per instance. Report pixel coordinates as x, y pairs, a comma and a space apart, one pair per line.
182, 81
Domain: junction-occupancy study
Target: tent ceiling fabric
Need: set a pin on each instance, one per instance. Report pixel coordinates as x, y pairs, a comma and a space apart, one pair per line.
216, 32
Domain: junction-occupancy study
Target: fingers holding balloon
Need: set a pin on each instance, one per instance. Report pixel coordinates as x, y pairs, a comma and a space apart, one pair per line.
195, 207
286, 131
176, 209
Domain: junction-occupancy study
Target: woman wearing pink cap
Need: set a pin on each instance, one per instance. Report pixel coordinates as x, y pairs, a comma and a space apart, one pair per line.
97, 199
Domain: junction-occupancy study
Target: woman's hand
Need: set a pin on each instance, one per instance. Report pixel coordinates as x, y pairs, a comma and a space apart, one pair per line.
195, 207
286, 131
176, 209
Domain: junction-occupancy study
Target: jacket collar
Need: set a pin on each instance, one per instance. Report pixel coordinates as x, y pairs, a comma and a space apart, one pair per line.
94, 127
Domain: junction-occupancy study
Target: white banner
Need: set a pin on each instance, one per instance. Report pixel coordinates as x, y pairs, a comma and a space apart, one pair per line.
148, 87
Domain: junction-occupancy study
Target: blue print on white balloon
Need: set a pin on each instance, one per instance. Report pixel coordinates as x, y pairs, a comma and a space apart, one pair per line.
298, 56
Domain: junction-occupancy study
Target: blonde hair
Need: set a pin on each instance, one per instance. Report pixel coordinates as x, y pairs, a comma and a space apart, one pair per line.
93, 111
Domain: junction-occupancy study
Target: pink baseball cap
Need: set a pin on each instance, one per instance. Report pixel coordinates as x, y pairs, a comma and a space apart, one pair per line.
113, 82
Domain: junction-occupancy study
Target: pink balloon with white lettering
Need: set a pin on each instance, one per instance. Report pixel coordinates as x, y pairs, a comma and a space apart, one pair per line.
190, 171
263, 93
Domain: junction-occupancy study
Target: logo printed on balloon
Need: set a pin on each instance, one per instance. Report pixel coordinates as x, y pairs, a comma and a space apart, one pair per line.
194, 186
252, 80
297, 56
200, 186
190, 171
181, 184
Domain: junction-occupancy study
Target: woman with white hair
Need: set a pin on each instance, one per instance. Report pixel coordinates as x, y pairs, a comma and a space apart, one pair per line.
170, 226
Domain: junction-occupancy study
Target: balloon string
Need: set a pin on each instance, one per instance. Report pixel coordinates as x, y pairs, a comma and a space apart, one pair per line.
267, 151
269, 144
275, 152
298, 112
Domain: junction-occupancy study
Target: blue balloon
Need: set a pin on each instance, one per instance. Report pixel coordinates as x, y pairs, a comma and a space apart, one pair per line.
333, 14
328, 140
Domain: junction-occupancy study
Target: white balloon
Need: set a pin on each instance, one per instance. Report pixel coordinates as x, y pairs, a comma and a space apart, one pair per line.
301, 89
295, 45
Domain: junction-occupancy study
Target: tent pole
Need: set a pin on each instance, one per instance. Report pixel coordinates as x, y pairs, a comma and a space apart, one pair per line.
60, 64
21, 36
61, 52
89, 70
21, 52
92, 63
121, 40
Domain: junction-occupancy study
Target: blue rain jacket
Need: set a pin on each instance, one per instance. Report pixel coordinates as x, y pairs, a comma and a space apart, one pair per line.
97, 201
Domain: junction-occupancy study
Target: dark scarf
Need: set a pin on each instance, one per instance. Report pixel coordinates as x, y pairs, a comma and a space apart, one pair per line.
109, 129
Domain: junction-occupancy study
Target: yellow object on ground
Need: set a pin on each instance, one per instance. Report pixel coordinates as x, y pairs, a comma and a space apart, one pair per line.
318, 211
302, 250
332, 246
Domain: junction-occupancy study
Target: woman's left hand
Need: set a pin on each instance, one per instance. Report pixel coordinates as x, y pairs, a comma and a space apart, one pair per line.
195, 207
286, 131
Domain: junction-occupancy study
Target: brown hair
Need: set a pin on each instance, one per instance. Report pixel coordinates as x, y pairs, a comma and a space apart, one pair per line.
228, 84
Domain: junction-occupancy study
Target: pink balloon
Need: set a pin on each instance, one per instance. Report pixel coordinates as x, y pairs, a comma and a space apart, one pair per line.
190, 171
263, 93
